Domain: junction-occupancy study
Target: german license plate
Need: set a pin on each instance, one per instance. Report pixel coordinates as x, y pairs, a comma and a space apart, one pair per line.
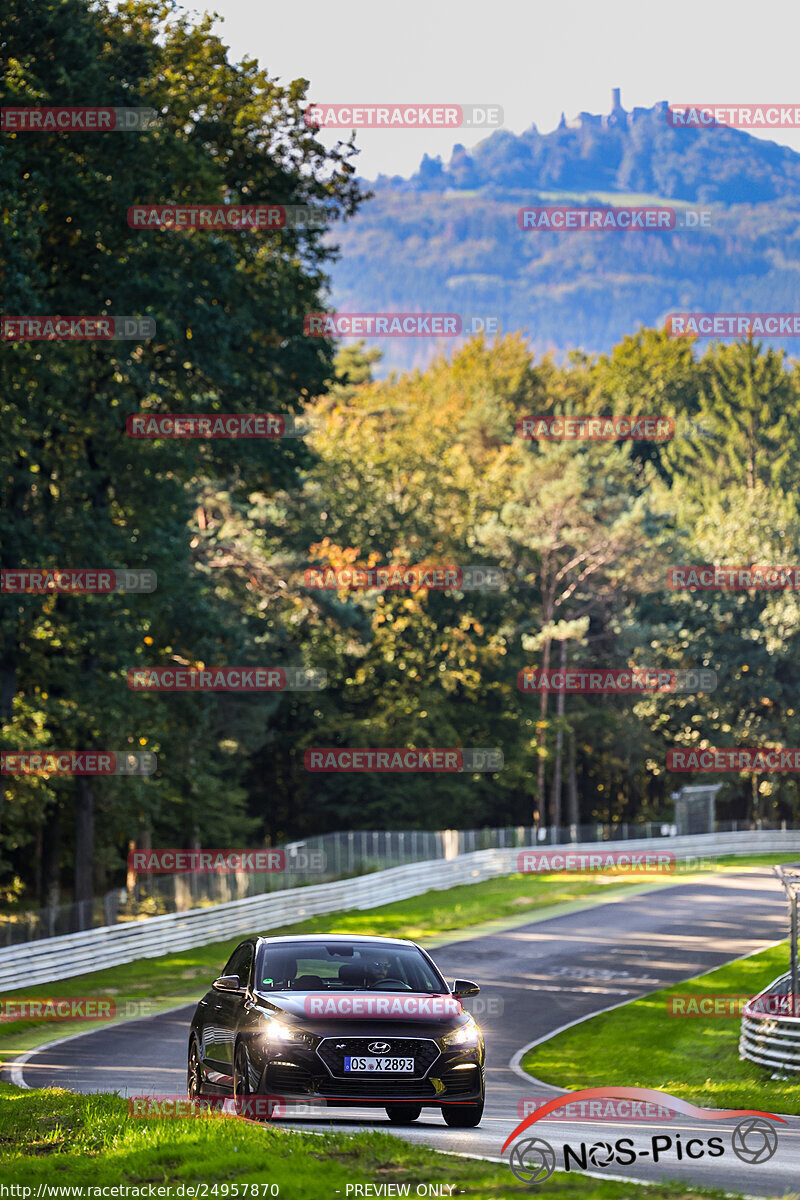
382, 1065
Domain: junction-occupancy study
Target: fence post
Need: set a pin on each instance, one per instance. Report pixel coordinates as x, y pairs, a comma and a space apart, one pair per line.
793, 944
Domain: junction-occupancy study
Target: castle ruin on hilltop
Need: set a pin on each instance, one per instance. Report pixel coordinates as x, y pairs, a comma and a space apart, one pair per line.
617, 117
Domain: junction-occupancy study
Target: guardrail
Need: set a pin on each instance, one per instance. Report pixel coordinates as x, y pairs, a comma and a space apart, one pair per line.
111, 945
772, 1039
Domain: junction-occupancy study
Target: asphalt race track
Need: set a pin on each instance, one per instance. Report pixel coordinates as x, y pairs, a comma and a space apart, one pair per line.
534, 979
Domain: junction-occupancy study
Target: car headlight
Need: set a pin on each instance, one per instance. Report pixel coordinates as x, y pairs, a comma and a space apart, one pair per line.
467, 1035
288, 1035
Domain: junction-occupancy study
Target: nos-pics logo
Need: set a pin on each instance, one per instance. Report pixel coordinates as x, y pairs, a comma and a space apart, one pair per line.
754, 1140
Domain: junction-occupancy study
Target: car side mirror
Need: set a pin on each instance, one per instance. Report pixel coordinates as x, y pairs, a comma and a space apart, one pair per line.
227, 983
465, 987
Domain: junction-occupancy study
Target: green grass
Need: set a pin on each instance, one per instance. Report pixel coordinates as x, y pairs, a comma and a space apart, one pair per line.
697, 1058
155, 984
57, 1137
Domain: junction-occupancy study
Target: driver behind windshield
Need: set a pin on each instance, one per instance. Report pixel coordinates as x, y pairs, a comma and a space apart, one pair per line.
378, 969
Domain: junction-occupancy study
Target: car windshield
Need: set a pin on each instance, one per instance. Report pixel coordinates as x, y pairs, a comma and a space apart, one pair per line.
345, 966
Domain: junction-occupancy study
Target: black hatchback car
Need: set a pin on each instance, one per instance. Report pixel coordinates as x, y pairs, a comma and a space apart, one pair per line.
348, 1021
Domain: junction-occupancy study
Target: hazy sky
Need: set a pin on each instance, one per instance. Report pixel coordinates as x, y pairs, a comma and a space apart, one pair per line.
533, 58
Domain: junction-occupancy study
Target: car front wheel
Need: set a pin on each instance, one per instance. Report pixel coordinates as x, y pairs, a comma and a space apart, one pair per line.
241, 1079
403, 1114
463, 1116
194, 1076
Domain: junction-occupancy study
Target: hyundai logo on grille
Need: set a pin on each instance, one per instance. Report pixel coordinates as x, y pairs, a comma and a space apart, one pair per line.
379, 1047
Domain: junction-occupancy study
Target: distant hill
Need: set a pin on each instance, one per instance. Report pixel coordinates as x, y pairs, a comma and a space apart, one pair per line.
447, 238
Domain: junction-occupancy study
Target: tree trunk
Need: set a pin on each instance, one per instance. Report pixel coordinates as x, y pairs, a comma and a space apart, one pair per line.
555, 800
84, 851
542, 737
572, 785
146, 843
130, 873
8, 688
51, 858
37, 861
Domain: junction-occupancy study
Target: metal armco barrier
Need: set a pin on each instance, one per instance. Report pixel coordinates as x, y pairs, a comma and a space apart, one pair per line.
771, 1039
78, 953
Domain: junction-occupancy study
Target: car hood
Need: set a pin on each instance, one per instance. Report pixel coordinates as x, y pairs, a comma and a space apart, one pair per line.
401, 1013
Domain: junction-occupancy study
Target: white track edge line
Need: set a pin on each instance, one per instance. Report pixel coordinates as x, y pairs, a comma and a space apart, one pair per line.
14, 1066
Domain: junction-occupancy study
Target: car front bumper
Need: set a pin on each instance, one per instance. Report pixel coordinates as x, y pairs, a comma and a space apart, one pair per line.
453, 1076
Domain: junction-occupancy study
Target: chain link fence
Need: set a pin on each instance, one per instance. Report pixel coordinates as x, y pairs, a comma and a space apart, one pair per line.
318, 859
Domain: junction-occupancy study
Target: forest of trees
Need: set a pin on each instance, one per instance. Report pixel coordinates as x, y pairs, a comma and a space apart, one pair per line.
426, 468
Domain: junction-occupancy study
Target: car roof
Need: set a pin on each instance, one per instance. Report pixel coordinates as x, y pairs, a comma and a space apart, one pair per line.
331, 938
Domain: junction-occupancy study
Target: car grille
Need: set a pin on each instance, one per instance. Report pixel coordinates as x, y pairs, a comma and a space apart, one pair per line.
388, 1088
332, 1051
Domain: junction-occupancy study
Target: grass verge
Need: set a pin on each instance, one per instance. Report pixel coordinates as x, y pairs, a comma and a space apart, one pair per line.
697, 1058
58, 1138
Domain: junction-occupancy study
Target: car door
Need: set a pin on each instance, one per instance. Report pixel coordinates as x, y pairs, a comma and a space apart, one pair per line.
227, 1010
